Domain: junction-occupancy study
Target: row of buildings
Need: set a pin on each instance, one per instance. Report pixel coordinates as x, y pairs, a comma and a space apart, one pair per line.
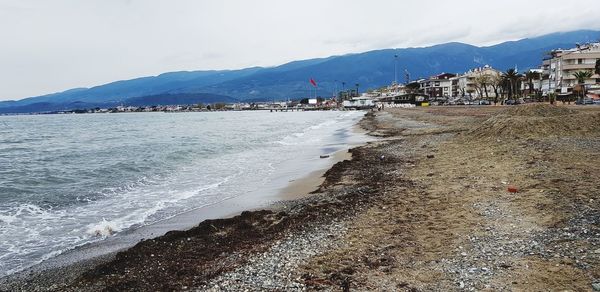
449, 86
555, 75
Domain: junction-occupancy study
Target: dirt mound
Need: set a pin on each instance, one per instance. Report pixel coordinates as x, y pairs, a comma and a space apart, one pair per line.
530, 121
538, 110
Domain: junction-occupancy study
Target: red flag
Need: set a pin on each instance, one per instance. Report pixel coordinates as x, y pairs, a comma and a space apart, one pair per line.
312, 81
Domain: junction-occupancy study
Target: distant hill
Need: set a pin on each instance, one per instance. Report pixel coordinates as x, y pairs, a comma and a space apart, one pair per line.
369, 70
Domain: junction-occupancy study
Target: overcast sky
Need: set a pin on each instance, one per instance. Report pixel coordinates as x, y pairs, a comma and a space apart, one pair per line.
50, 46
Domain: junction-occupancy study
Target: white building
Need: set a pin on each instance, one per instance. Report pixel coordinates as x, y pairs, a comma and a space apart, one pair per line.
467, 84
559, 66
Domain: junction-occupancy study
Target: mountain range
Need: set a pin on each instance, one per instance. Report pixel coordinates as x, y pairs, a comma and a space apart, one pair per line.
291, 81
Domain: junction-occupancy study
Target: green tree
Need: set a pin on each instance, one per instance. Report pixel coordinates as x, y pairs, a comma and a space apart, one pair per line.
581, 76
512, 77
506, 87
552, 97
413, 87
219, 105
530, 76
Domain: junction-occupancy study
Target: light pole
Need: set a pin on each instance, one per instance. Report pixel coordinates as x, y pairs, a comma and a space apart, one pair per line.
395, 69
335, 89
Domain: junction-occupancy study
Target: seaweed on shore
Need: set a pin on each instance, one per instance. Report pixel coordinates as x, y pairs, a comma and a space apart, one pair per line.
191, 258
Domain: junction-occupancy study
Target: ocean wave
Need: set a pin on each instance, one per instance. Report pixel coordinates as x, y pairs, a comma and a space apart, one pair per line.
21, 212
299, 138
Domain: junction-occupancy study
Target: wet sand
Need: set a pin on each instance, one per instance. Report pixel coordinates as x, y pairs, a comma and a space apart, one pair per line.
303, 187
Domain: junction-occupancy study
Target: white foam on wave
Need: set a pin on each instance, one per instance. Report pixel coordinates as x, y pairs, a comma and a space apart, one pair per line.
140, 216
7, 219
348, 114
300, 138
14, 215
104, 228
27, 229
22, 229
321, 125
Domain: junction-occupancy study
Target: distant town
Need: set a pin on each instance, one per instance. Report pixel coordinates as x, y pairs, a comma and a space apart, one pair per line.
309, 104
565, 75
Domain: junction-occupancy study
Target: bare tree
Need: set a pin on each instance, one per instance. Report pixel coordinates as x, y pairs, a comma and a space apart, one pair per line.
482, 81
496, 83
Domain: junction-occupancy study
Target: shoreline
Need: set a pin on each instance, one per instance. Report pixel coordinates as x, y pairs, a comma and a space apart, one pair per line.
424, 217
71, 263
304, 186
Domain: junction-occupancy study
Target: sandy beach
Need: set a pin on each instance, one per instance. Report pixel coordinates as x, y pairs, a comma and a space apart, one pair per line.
447, 199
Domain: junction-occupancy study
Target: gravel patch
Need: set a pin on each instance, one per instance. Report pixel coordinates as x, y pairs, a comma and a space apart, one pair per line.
507, 236
275, 269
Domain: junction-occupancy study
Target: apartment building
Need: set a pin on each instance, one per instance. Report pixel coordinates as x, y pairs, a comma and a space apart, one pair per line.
560, 65
466, 85
438, 86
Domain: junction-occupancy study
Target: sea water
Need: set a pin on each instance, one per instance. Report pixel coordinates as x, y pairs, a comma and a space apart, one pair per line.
68, 180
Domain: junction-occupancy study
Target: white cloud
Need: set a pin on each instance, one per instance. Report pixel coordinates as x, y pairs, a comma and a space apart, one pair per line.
49, 46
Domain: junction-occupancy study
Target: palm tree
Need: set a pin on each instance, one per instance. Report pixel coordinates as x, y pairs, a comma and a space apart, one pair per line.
518, 82
512, 76
356, 89
530, 76
505, 86
581, 76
